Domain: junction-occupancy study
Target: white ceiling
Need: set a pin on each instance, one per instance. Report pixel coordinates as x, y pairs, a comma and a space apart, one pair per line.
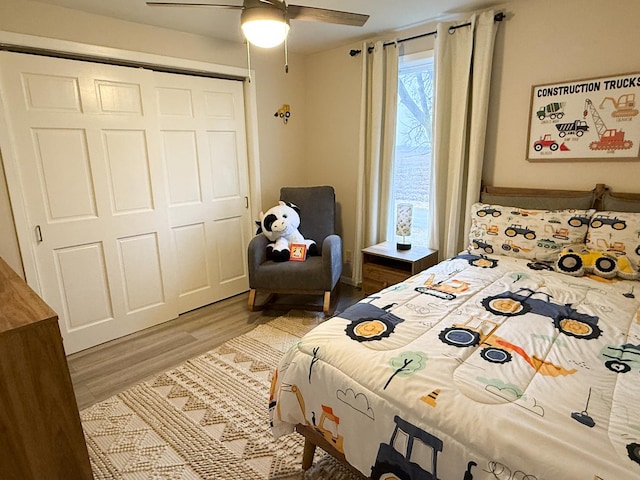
304, 37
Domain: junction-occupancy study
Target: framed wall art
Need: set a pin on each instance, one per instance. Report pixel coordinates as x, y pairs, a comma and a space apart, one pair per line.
593, 119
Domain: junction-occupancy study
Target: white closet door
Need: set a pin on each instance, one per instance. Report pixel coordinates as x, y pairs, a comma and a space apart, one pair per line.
89, 173
103, 185
204, 152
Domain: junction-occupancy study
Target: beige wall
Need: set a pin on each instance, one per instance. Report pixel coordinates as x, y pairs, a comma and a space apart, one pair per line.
8, 242
540, 42
333, 106
549, 41
26, 16
281, 148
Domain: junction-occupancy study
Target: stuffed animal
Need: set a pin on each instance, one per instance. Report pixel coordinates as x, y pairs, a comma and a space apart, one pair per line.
578, 260
280, 225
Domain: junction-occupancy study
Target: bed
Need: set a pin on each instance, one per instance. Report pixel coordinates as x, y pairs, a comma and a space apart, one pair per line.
517, 359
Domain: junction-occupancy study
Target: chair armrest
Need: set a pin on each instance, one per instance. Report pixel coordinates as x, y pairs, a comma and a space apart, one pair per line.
257, 251
332, 258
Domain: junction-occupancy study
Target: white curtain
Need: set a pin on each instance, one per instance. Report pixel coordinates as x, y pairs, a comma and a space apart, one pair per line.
376, 148
463, 59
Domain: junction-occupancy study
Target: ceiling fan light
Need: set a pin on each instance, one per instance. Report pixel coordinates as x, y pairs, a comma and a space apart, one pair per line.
265, 27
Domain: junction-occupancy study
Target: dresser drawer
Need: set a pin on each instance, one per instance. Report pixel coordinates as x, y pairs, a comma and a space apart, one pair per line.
376, 277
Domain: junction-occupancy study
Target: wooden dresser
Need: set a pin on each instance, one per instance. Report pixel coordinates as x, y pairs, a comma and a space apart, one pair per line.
40, 432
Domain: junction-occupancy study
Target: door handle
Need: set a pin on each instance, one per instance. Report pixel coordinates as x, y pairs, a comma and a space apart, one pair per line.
246, 202
38, 234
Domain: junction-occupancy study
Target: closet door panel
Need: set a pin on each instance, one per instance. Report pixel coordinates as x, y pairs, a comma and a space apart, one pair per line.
92, 181
135, 186
203, 134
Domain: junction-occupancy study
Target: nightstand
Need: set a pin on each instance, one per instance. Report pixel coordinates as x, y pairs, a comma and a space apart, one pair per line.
384, 265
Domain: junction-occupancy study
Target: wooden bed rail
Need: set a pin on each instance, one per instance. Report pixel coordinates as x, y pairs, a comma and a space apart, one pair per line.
313, 439
598, 193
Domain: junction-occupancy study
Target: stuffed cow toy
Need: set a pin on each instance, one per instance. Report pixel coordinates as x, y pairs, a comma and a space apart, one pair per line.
280, 225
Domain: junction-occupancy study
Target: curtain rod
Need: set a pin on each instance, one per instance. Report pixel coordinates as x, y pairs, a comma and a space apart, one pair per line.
498, 17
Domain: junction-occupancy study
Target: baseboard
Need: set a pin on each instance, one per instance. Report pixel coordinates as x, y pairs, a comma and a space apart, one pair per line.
348, 281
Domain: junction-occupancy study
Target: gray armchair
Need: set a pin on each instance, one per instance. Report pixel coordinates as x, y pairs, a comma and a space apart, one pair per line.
317, 275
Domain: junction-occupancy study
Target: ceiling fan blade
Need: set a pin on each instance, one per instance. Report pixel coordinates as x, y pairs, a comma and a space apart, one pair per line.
193, 4
298, 12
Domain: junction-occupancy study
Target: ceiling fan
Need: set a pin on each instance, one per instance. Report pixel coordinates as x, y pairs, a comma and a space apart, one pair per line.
265, 23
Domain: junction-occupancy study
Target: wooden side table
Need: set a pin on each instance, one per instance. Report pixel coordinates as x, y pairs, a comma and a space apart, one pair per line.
384, 265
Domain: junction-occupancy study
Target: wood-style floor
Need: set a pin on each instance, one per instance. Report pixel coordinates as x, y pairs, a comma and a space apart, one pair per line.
102, 371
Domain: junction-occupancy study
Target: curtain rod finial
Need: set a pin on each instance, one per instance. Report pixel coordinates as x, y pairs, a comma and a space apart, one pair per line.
354, 52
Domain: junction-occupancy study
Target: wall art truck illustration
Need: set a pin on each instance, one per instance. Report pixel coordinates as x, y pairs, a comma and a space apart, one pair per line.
495, 349
552, 110
624, 105
577, 128
397, 460
565, 318
609, 138
546, 141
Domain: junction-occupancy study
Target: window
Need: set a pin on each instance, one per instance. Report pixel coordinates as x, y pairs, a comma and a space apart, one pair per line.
412, 164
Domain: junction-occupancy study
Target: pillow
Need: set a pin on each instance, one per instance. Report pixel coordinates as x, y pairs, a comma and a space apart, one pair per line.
617, 233
534, 234
581, 200
620, 202
578, 260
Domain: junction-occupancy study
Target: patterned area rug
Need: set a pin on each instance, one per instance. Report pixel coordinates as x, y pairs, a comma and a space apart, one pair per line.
206, 419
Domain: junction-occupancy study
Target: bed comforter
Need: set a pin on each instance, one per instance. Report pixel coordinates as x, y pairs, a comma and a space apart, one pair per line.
478, 368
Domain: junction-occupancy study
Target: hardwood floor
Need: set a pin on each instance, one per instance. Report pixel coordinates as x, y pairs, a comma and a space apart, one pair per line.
102, 371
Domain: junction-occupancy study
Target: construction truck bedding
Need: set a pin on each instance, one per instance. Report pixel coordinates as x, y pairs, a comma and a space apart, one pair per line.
481, 367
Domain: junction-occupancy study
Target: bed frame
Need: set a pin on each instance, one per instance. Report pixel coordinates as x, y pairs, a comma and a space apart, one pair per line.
314, 439
542, 192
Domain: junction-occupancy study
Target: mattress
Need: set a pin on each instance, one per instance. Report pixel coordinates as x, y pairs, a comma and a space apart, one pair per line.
481, 367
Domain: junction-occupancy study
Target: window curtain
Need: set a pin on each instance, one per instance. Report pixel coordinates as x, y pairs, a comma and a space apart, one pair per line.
376, 149
463, 59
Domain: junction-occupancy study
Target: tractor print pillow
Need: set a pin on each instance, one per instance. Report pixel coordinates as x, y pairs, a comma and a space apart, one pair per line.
617, 233
525, 233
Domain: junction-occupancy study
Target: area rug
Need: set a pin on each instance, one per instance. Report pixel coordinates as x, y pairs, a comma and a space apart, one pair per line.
207, 418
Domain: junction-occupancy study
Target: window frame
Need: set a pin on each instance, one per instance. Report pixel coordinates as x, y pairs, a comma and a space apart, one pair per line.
416, 58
